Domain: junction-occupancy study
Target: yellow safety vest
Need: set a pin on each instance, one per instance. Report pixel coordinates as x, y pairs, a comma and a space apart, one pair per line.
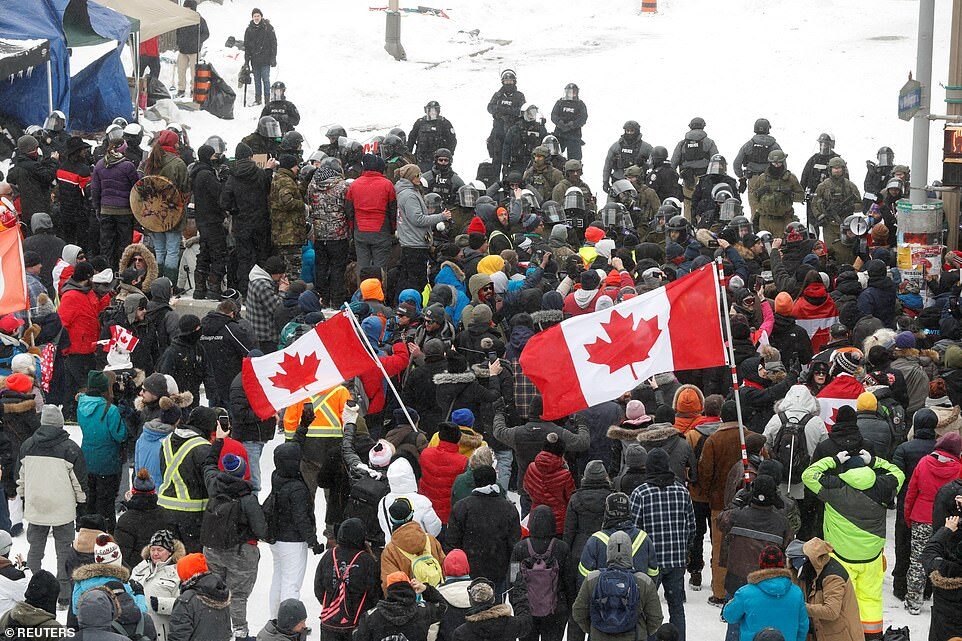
181, 501
333, 429
635, 546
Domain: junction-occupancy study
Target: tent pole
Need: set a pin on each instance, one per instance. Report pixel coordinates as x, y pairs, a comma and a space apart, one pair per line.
49, 87
135, 37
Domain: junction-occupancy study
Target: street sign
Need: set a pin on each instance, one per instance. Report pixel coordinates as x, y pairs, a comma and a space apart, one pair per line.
910, 99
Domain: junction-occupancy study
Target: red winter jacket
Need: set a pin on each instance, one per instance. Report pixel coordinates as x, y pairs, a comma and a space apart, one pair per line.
929, 476
439, 467
79, 310
548, 482
815, 312
371, 203
373, 380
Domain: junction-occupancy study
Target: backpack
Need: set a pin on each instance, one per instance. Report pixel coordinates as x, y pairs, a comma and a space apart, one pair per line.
424, 567
270, 516
366, 493
335, 612
896, 634
224, 525
791, 448
614, 602
894, 413
541, 574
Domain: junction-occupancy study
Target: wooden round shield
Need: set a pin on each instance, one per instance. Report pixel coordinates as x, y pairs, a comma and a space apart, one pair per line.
156, 203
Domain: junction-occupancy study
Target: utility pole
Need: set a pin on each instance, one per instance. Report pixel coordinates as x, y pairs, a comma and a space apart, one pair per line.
920, 126
953, 101
392, 33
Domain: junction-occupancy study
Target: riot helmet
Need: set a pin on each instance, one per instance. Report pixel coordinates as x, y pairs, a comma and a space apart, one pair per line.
765, 237
115, 133
509, 78
397, 131
623, 191
613, 215
886, 157
721, 192
540, 150
795, 232
433, 202
484, 199
529, 202
717, 165
852, 228
530, 112
278, 89
826, 143
316, 157
674, 202
479, 185
574, 199
742, 225
134, 133
432, 110
120, 121
467, 196
56, 121
334, 132
762, 126
664, 213
391, 147
659, 155
333, 163
268, 127
731, 208
679, 225
895, 183
552, 213
292, 141
571, 91
697, 123
33, 130
551, 142
632, 130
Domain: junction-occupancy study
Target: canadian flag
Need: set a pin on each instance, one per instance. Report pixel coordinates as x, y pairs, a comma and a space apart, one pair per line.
844, 390
320, 359
13, 276
121, 338
596, 357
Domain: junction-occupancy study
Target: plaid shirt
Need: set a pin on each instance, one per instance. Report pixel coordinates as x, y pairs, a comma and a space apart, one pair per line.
262, 300
524, 391
667, 515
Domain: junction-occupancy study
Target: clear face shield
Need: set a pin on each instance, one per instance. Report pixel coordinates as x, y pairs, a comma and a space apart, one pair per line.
554, 147
729, 209
277, 94
570, 93
766, 238
886, 158
272, 129
54, 122
552, 212
217, 144
825, 147
717, 168
531, 114
467, 196
434, 203
432, 112
574, 200
612, 215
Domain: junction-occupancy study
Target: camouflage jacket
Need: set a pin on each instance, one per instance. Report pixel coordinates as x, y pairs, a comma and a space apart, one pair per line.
325, 199
769, 196
836, 198
543, 180
392, 166
288, 216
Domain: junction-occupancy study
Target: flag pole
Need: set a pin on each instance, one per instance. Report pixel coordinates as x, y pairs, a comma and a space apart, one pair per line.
731, 361
373, 353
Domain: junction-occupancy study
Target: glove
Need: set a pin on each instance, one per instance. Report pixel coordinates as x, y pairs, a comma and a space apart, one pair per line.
605, 187
350, 413
154, 604
762, 191
842, 457
317, 548
136, 587
742, 185
866, 456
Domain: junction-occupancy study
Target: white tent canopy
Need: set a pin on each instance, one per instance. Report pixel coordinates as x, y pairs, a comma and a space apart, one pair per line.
156, 16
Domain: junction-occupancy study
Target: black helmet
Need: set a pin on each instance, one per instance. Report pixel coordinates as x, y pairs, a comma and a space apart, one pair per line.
795, 232
468, 196
552, 212
613, 215
742, 225
277, 90
432, 110
334, 132
268, 127
886, 157
333, 163
442, 153
855, 223
571, 91
826, 143
397, 131
623, 186
391, 147
551, 142
292, 141
680, 224
509, 74
762, 126
718, 165
574, 199
217, 144
434, 202
659, 155
721, 192
697, 123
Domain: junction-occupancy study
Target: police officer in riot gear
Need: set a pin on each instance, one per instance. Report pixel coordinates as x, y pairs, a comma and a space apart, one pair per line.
395, 154
522, 138
55, 131
645, 202
834, 200
574, 204
431, 132
555, 157
877, 176
851, 241
678, 230
332, 134
816, 169
134, 136
281, 109
691, 156
628, 150
292, 143
573, 171
349, 152
752, 158
711, 218
267, 138
505, 109
716, 174
441, 178
541, 175
569, 115
662, 178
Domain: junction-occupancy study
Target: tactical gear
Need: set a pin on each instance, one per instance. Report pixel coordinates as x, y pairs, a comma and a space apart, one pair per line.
278, 89
571, 91
731, 208
718, 165
623, 186
120, 121
268, 127
659, 155
574, 197
442, 153
397, 131
540, 150
742, 225
217, 143
434, 203
572, 165
721, 192
530, 112
885, 155
895, 183
292, 141
335, 132
467, 196
634, 172
553, 146
333, 163
777, 155
391, 147
836, 162
613, 215
697, 123
632, 125
56, 121
674, 202
762, 126
432, 110
826, 143
795, 232
552, 212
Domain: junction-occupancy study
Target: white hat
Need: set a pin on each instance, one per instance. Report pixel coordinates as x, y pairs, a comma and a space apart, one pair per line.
106, 550
104, 277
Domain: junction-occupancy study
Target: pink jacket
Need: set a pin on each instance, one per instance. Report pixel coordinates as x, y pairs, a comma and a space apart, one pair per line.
930, 475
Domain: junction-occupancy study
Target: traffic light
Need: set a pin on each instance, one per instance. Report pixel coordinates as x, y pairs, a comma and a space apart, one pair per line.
952, 156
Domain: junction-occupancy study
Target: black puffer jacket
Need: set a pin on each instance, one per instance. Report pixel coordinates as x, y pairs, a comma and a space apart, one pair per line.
244, 197
398, 614
200, 612
497, 623
908, 454
137, 524
791, 341
33, 179
206, 188
486, 527
225, 344
364, 579
462, 390
844, 436
945, 571
758, 395
295, 519
253, 523
246, 426
586, 511
420, 392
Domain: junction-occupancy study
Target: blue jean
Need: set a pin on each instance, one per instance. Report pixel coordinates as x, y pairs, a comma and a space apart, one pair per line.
262, 79
502, 464
673, 582
167, 248
254, 451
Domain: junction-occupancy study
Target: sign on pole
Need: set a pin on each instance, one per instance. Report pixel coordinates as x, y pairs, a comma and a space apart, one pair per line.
910, 99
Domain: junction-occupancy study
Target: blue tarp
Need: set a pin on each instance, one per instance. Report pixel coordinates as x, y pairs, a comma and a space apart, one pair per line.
25, 99
99, 93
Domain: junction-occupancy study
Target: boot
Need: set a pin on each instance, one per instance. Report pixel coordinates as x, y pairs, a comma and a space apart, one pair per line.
214, 289
200, 286
899, 587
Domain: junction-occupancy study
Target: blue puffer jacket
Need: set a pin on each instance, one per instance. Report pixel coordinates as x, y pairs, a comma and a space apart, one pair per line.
770, 600
103, 434
147, 450
451, 274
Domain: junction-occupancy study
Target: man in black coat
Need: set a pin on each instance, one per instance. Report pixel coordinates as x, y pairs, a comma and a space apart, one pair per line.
33, 176
189, 41
76, 212
47, 244
244, 197
398, 614
260, 53
206, 188
225, 344
184, 359
569, 115
251, 431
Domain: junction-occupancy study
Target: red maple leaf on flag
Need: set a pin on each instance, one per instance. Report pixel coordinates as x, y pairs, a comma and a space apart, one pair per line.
626, 346
834, 417
296, 374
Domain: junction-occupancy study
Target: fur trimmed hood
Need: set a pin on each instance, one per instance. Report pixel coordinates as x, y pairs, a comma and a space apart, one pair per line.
619, 433
704, 236
92, 570
657, 432
182, 400
128, 257
448, 378
179, 552
770, 573
455, 268
945, 582
545, 316
498, 611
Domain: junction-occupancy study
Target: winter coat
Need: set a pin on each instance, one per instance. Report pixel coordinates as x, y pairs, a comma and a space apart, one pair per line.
770, 599
260, 44
440, 466
797, 403
262, 301
147, 451
916, 380
931, 473
470, 441
244, 197
206, 188
680, 457
791, 341
747, 531
191, 37
253, 520
20, 418
325, 198
650, 614
412, 539
103, 434
462, 390
225, 344
879, 299
184, 361
53, 477
373, 381
945, 572
907, 457
594, 555
200, 612
401, 480
13, 585
113, 178
877, 433
465, 484
361, 578
415, 226
33, 178
24, 616
161, 586
96, 616
94, 575
127, 260
585, 513
400, 614
140, 521
49, 247
294, 520
829, 595
772, 197
371, 203
549, 482
486, 526
79, 310
541, 531
759, 396
721, 451
688, 403
497, 623
288, 212
527, 440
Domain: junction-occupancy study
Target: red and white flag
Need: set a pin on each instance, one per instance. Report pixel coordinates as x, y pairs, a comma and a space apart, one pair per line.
844, 390
13, 277
121, 338
320, 359
815, 312
597, 357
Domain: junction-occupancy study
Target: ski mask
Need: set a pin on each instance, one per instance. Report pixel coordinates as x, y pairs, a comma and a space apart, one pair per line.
776, 172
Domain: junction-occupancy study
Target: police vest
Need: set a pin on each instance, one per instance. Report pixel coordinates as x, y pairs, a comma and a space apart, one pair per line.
626, 156
758, 156
174, 493
692, 153
441, 185
429, 138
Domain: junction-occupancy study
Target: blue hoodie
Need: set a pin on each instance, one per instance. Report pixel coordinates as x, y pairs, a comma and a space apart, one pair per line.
769, 600
447, 276
103, 434
147, 449
411, 296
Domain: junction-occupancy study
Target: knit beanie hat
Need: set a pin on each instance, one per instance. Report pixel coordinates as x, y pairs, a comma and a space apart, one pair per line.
848, 362
106, 550
481, 457
590, 280
191, 565
456, 564
485, 476
156, 384
635, 412
594, 234
289, 613
476, 226
97, 383
635, 456
287, 161
43, 591
665, 414
783, 304
771, 557
481, 593
242, 151
20, 383
905, 340
51, 415
950, 443
462, 417
143, 484
399, 418
449, 432
234, 465
553, 444
395, 578
83, 271
94, 522
595, 471
170, 412
380, 455
162, 539
410, 172
400, 512
866, 402
490, 264
616, 507
6, 542
765, 491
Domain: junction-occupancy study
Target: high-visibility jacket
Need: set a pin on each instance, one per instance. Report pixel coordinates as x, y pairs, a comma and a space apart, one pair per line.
175, 493
327, 407
595, 553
